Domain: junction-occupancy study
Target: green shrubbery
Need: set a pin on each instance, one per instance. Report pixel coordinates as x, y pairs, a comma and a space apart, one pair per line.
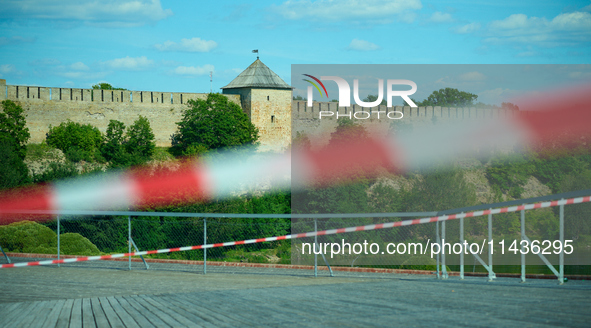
132, 148
13, 171
212, 124
418, 263
75, 244
77, 141
13, 140
56, 171
32, 237
85, 142
13, 127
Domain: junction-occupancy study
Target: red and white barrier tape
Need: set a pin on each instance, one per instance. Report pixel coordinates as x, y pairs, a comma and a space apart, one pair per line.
317, 233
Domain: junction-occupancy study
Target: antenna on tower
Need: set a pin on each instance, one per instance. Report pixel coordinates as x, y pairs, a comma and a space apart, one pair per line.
256, 51
210, 81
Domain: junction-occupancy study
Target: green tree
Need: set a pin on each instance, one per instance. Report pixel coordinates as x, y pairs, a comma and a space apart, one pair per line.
301, 141
105, 86
113, 148
132, 148
347, 130
56, 171
372, 98
508, 105
13, 146
77, 141
576, 222
214, 123
140, 139
449, 97
13, 127
13, 171
441, 189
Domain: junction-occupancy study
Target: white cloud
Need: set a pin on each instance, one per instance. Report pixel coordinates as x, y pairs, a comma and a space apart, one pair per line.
15, 40
84, 76
528, 54
45, 62
579, 75
79, 66
362, 45
468, 28
439, 17
497, 95
6, 69
514, 21
130, 63
472, 76
106, 13
188, 45
373, 11
193, 70
566, 29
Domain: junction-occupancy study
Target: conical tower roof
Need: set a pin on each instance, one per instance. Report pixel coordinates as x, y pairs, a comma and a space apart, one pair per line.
257, 75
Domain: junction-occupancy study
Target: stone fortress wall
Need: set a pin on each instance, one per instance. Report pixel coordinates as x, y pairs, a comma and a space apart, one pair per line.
45, 107
269, 110
307, 119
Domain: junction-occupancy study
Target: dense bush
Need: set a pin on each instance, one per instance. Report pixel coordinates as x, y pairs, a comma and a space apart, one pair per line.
32, 237
576, 223
113, 148
140, 139
75, 244
132, 148
13, 140
13, 127
77, 141
508, 173
28, 237
13, 171
56, 171
214, 123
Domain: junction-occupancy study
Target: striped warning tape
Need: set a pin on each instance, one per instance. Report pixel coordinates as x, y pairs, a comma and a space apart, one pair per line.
315, 233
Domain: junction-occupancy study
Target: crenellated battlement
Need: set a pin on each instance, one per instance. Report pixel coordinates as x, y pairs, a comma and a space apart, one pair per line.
33, 93
49, 106
302, 111
377, 120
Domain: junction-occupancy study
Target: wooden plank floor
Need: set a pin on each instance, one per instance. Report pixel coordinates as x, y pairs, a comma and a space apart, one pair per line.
46, 297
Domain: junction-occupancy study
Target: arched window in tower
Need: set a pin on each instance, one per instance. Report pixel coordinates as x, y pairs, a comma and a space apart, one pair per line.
272, 118
267, 97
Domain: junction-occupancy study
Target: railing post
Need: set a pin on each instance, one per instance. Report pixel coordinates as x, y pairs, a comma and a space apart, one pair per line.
315, 244
439, 243
491, 275
5, 256
58, 239
204, 243
561, 256
462, 243
443, 268
522, 247
129, 240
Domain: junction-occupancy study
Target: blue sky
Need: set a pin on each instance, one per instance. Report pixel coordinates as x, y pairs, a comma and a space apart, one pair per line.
173, 45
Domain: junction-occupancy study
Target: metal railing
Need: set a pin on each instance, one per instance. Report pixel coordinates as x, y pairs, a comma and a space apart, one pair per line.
132, 219
442, 273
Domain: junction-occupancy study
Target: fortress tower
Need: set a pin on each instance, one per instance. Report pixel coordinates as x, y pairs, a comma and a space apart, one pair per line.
266, 99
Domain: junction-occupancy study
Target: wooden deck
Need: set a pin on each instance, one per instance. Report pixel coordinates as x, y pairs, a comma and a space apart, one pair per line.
90, 297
